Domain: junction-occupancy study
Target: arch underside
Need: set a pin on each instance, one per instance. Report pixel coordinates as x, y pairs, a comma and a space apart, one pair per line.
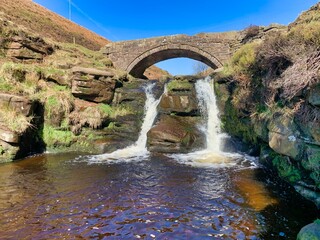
153, 56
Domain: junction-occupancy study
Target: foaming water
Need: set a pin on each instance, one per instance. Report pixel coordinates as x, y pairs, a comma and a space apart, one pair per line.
209, 108
211, 156
138, 150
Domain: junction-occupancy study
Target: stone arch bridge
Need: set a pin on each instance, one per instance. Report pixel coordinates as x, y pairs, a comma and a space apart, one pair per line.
135, 56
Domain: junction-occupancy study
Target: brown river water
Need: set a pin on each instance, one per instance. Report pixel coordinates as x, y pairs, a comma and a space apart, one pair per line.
64, 196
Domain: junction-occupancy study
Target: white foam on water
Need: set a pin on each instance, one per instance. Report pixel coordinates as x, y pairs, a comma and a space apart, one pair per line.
138, 150
211, 156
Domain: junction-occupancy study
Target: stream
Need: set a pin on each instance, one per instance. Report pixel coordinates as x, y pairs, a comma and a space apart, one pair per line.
61, 196
134, 194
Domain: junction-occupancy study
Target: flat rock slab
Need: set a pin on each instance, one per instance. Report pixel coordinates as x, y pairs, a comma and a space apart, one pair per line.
92, 71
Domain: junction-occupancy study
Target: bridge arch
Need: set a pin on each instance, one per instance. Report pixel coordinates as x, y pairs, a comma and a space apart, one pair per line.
167, 51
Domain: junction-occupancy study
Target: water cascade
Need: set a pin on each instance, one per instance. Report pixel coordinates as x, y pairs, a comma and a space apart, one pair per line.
211, 156
209, 108
138, 149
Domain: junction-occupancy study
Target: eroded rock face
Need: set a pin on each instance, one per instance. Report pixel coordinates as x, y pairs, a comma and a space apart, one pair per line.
93, 84
28, 48
18, 103
182, 104
289, 143
174, 134
177, 128
180, 98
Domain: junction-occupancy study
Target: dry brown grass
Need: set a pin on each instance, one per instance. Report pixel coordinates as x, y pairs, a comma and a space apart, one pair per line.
307, 114
93, 116
14, 120
37, 19
303, 74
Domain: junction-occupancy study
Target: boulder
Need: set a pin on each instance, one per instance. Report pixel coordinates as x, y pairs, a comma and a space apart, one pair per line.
93, 85
173, 134
181, 104
310, 232
284, 137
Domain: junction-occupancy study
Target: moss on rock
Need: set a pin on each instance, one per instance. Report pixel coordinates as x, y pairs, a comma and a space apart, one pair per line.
286, 169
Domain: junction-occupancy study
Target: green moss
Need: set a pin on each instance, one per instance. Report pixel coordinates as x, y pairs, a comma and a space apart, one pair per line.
51, 103
286, 169
59, 88
176, 85
112, 126
57, 138
5, 86
105, 109
313, 159
239, 127
316, 178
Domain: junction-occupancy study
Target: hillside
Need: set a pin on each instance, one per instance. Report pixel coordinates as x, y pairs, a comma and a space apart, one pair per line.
37, 19
312, 15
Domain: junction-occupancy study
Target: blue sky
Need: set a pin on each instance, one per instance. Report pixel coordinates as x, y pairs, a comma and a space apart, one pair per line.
127, 20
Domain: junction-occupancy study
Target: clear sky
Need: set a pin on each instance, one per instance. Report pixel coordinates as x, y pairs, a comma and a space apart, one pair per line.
119, 20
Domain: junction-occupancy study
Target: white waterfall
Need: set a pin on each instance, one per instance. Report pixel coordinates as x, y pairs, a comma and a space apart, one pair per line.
209, 108
138, 149
211, 156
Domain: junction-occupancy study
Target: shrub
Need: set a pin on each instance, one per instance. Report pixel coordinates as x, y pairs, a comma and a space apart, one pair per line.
308, 33
251, 31
275, 55
293, 82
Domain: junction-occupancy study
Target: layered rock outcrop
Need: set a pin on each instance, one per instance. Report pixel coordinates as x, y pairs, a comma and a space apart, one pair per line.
285, 141
93, 85
27, 48
177, 130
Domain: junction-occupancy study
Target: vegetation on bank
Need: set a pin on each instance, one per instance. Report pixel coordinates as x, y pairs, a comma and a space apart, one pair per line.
61, 118
270, 94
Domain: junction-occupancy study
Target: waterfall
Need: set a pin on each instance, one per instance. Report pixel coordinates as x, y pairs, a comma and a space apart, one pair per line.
138, 149
209, 108
150, 115
211, 156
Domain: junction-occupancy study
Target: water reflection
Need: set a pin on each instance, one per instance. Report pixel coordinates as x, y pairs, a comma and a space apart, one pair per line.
54, 196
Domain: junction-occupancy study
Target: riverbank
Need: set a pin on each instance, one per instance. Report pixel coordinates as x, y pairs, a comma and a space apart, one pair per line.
269, 97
